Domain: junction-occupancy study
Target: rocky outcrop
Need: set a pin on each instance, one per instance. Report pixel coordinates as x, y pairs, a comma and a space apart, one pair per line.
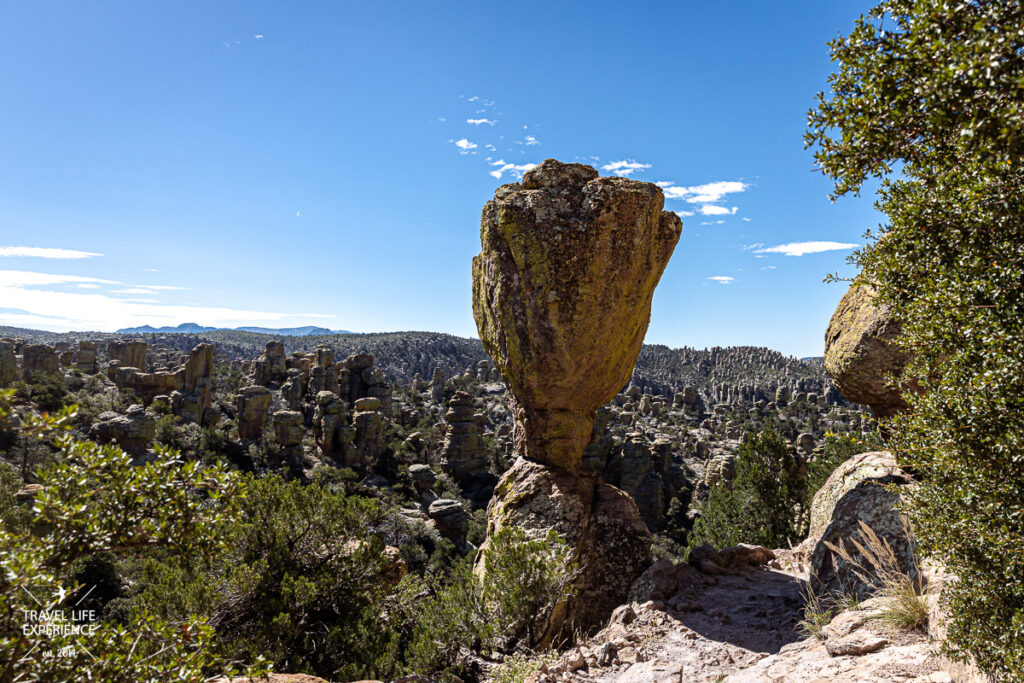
462, 454
194, 400
562, 296
145, 385
129, 353
8, 364
333, 435
451, 520
271, 367
39, 358
858, 491
860, 353
437, 385
323, 375
369, 425
360, 378
600, 522
252, 406
133, 432
86, 357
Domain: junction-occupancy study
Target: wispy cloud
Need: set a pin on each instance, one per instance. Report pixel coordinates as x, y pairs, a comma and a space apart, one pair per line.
504, 167
708, 193
258, 36
39, 305
530, 140
684, 214
624, 168
802, 248
46, 252
712, 210
722, 279
479, 122
464, 145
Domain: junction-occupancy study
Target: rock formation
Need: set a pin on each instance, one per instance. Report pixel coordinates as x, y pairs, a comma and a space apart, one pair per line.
369, 425
194, 400
39, 358
85, 357
252, 406
8, 364
860, 352
128, 353
333, 435
133, 431
462, 454
271, 367
562, 295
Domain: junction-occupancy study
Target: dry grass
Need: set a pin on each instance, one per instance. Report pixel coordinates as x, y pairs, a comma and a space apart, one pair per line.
901, 595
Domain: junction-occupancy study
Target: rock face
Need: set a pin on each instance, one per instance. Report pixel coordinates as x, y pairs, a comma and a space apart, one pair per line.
133, 431
857, 492
253, 408
562, 295
130, 353
8, 364
271, 367
860, 353
195, 399
462, 454
39, 358
333, 435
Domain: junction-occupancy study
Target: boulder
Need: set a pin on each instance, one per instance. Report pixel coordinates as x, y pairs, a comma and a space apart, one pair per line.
562, 293
863, 490
271, 366
451, 520
860, 353
133, 431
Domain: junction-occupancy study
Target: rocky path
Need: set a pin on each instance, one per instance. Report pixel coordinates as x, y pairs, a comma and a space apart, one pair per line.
740, 627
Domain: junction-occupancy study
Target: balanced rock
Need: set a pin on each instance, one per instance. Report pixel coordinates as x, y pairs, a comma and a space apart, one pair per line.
562, 295
271, 366
860, 353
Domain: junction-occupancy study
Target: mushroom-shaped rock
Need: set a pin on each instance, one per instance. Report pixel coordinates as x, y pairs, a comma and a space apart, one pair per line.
562, 295
860, 353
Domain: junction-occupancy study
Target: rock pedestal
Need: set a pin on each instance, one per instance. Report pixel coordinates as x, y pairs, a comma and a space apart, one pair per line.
253, 408
85, 357
8, 364
130, 353
562, 293
271, 367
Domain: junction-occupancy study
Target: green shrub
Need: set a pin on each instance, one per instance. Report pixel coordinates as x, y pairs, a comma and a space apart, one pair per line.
761, 504
933, 90
505, 606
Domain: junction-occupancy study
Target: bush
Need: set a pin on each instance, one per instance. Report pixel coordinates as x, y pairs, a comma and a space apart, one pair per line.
505, 606
762, 503
935, 93
94, 503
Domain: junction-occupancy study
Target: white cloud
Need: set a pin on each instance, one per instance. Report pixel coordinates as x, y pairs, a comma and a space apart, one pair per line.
684, 214
87, 285
745, 219
515, 169
722, 279
755, 245
88, 310
712, 210
45, 252
258, 36
464, 145
711, 222
708, 193
624, 168
802, 248
769, 267
530, 140
477, 122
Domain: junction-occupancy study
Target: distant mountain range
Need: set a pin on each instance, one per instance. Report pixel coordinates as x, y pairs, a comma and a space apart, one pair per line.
193, 328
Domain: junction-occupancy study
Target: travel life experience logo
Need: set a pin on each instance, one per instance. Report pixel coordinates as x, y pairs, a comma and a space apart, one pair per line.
58, 631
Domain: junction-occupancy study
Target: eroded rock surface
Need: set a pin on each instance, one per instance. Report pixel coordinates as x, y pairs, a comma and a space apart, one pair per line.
562, 296
860, 353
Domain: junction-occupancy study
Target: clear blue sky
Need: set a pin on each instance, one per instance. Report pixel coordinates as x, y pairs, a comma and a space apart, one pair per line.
281, 164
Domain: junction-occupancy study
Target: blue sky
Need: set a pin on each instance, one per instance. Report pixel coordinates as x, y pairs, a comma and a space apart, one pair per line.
283, 164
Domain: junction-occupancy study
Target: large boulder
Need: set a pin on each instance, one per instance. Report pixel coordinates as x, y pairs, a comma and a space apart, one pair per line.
252, 405
133, 432
860, 353
130, 353
39, 358
562, 293
862, 491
